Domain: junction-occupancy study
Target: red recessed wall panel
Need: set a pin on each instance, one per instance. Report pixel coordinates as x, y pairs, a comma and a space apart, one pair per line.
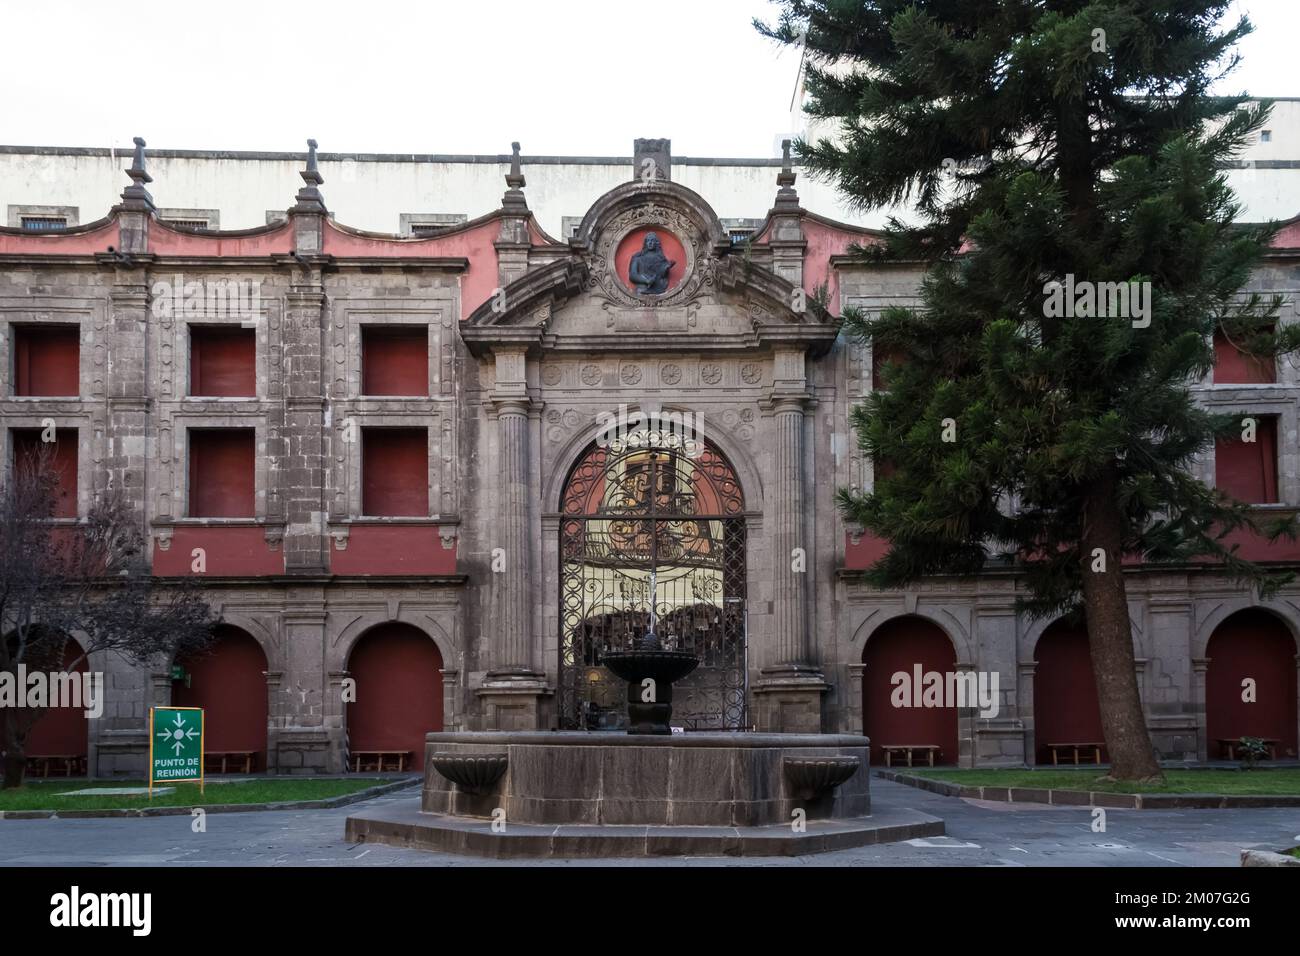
899, 645
239, 549
222, 483
395, 472
61, 730
395, 361
1065, 692
223, 362
399, 690
393, 549
1248, 470
1253, 645
63, 458
47, 360
228, 680
1232, 366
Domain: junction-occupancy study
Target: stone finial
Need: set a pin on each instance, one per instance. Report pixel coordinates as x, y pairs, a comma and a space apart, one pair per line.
136, 194
514, 201
652, 159
515, 178
786, 197
311, 175
309, 196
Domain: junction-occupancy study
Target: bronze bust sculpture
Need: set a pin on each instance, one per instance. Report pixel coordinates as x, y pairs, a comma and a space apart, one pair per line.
649, 268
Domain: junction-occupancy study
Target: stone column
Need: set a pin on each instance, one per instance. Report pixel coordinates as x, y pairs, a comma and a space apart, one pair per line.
512, 691
296, 436
788, 695
1200, 667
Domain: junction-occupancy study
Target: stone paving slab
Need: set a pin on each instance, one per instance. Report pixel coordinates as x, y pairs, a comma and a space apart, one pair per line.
977, 835
405, 825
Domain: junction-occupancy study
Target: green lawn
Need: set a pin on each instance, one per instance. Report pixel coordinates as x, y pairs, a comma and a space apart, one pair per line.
1265, 782
40, 794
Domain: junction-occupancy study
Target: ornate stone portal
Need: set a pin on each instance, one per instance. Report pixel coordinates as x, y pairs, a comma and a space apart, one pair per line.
619, 301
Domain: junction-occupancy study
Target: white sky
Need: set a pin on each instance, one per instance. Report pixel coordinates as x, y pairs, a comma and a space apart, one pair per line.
563, 77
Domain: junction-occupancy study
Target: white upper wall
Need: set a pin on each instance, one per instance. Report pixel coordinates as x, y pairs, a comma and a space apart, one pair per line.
372, 192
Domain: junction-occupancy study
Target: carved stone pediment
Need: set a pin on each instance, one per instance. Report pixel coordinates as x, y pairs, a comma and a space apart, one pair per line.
716, 298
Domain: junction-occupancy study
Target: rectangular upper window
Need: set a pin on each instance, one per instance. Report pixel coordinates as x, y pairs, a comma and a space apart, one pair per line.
191, 218
223, 362
395, 360
395, 472
47, 360
1247, 470
44, 223
31, 451
1233, 366
222, 476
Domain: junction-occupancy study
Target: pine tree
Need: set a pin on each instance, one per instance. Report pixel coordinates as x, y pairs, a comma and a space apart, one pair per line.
1046, 145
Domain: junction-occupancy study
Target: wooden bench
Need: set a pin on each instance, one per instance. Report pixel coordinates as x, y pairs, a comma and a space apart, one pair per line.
929, 750
1075, 750
65, 765
218, 761
376, 760
1228, 747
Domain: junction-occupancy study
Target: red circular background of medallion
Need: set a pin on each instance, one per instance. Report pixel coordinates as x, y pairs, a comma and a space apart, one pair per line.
671, 246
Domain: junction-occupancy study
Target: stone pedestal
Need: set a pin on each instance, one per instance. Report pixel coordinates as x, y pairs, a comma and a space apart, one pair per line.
788, 700
513, 701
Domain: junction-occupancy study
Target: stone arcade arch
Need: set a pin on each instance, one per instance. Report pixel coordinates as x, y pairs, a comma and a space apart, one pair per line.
1251, 643
228, 680
1065, 690
900, 645
398, 672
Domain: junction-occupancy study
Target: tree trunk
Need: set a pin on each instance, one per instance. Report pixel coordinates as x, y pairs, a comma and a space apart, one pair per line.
1110, 641
14, 745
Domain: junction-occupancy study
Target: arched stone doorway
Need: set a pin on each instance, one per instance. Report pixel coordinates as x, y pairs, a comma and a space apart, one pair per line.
398, 670
909, 646
1065, 691
228, 680
1251, 644
652, 537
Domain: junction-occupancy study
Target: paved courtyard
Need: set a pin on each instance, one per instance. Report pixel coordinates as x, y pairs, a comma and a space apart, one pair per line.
980, 833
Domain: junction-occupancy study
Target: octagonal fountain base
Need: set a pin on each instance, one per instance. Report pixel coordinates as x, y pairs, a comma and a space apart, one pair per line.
608, 794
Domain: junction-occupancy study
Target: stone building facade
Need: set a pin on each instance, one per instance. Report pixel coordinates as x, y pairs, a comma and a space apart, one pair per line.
383, 605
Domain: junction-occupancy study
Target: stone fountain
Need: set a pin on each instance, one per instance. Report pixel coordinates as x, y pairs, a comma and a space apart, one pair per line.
644, 793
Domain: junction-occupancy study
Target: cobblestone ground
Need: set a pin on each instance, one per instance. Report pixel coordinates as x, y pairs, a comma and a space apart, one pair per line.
979, 834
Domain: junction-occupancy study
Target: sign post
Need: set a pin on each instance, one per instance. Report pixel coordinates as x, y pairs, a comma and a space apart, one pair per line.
175, 746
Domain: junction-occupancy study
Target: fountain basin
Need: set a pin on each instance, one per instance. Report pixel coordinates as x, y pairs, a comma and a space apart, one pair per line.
697, 779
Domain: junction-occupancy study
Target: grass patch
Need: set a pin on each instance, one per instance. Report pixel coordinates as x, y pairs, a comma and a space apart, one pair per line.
41, 795
1295, 852
1237, 782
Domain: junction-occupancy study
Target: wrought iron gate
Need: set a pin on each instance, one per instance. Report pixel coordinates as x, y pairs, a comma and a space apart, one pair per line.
652, 537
